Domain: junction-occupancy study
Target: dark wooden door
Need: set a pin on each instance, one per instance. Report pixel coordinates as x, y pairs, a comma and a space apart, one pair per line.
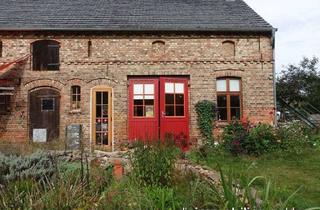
44, 112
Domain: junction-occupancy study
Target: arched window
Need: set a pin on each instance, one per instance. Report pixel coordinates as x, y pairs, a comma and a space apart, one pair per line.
228, 49
45, 54
229, 99
158, 47
75, 97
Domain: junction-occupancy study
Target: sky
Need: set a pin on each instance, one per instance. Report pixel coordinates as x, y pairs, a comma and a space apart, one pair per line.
298, 24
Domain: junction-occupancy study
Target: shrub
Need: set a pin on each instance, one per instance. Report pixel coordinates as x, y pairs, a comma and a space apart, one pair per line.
261, 139
206, 114
153, 163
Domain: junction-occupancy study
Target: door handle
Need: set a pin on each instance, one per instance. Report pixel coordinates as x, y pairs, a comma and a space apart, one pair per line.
163, 114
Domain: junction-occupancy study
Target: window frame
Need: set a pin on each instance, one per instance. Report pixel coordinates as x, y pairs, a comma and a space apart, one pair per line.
143, 94
77, 94
42, 61
5, 104
228, 95
53, 106
175, 105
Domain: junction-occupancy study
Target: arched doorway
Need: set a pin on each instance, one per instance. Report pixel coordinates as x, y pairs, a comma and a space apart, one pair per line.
44, 114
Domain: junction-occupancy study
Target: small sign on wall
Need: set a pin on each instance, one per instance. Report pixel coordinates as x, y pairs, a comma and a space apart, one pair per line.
39, 135
73, 136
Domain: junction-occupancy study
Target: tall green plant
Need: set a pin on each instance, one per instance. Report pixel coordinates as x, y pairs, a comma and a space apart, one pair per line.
206, 113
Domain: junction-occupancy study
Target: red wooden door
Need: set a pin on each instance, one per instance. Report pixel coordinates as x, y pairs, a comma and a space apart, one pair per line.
174, 111
144, 109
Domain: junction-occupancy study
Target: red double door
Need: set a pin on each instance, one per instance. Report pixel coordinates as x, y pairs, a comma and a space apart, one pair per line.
158, 109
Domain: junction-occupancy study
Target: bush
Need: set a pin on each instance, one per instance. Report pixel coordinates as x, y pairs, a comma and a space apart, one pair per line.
153, 163
261, 139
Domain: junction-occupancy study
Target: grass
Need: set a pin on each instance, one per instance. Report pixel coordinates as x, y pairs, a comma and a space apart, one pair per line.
288, 172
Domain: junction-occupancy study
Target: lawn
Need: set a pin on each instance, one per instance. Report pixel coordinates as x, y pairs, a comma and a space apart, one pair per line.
288, 172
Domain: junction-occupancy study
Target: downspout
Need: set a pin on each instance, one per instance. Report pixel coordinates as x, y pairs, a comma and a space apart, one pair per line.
273, 43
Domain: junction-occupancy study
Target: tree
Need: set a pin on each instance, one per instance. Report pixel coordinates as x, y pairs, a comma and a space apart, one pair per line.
300, 83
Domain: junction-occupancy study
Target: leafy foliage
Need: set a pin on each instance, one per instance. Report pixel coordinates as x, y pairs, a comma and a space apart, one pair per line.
206, 113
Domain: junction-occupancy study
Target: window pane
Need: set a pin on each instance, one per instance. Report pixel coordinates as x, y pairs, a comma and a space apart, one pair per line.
149, 97
170, 110
179, 88
179, 110
98, 139
169, 98
149, 111
138, 102
149, 89
222, 114
138, 89
235, 113
221, 85
105, 97
222, 101
169, 88
105, 111
47, 104
138, 97
98, 111
235, 85
138, 111
105, 138
98, 97
179, 99
235, 101
148, 102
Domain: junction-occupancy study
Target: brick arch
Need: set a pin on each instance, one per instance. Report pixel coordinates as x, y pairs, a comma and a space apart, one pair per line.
103, 81
44, 83
229, 73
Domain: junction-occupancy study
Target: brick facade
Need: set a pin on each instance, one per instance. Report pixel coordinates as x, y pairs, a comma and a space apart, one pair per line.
115, 58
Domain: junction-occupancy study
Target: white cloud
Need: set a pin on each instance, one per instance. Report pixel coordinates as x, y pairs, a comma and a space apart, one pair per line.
298, 24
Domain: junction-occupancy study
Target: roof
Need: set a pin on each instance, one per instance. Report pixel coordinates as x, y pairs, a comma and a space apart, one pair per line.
130, 15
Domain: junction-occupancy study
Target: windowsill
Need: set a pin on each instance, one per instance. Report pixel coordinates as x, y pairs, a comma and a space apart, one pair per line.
75, 111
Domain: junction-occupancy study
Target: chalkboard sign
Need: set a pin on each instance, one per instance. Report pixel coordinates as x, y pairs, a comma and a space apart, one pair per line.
73, 136
39, 135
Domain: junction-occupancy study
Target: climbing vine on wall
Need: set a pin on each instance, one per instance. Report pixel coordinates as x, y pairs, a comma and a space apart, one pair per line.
206, 113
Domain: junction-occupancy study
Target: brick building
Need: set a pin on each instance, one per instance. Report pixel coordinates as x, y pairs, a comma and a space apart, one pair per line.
131, 69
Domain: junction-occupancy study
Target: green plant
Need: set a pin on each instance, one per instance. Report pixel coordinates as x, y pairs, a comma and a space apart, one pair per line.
206, 113
234, 136
261, 139
153, 163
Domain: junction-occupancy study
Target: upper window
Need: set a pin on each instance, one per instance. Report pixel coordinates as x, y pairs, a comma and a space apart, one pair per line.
174, 100
158, 48
45, 54
229, 99
4, 104
143, 100
228, 49
75, 97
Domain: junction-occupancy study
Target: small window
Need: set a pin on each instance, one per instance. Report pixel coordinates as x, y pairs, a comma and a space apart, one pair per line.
228, 49
158, 47
143, 100
4, 104
174, 99
228, 99
45, 54
75, 97
89, 48
0, 49
47, 104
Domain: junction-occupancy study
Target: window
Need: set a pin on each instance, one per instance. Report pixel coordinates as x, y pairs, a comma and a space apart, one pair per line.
228, 49
143, 100
4, 104
228, 99
45, 54
47, 104
75, 97
89, 48
0, 49
158, 47
174, 100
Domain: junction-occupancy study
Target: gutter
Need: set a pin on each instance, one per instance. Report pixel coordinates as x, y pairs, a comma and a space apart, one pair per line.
273, 43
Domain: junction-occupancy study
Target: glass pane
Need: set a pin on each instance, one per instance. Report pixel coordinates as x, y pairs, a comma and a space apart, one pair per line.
105, 138
222, 114
235, 101
179, 99
98, 97
78, 98
222, 101
149, 97
179, 110
148, 102
138, 111
169, 88
179, 88
47, 104
149, 89
169, 98
138, 102
221, 85
234, 85
138, 89
98, 125
138, 97
169, 110
105, 111
105, 97
74, 97
98, 139
98, 111
104, 127
149, 111
235, 113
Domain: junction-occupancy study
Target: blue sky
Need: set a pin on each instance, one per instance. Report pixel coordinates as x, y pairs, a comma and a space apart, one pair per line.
298, 23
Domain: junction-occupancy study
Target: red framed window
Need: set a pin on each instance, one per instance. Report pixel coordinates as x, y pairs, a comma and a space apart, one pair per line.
174, 99
143, 100
229, 99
